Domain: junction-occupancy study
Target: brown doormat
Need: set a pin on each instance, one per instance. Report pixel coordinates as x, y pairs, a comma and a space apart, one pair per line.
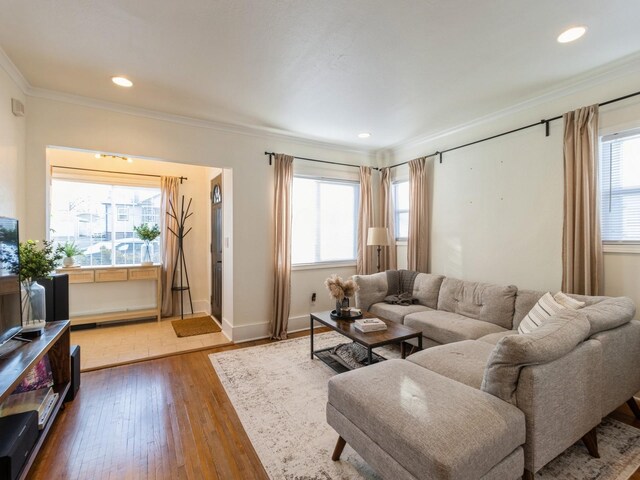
195, 326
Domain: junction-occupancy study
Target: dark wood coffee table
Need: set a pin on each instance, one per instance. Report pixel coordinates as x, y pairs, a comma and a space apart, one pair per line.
395, 333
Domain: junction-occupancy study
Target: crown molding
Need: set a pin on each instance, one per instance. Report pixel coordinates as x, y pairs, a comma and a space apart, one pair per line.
13, 72
624, 66
240, 129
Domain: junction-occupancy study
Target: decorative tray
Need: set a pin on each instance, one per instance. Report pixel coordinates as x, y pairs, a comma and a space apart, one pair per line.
351, 316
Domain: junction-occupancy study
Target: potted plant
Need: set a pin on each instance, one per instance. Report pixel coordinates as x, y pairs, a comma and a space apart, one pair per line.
340, 290
70, 250
35, 262
147, 234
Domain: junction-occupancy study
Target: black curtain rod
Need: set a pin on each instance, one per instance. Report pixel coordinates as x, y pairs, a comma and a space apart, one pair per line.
544, 122
318, 161
110, 171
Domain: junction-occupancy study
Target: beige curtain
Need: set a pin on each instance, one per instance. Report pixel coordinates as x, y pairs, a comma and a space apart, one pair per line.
388, 257
581, 244
365, 261
168, 193
418, 241
283, 190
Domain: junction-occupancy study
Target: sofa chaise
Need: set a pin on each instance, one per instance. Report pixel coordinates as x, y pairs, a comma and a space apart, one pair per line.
484, 401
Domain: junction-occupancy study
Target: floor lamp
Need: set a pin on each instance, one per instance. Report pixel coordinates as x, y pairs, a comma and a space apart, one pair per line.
378, 237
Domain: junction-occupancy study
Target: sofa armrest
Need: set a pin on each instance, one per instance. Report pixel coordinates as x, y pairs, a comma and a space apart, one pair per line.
561, 401
372, 289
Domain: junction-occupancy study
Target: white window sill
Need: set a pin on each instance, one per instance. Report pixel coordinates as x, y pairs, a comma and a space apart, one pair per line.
401, 243
621, 248
324, 265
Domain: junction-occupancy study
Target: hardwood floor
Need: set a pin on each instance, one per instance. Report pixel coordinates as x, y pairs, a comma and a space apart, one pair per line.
168, 418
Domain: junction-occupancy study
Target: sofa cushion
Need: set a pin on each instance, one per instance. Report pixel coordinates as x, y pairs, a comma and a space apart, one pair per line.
463, 361
541, 311
372, 289
482, 301
609, 313
494, 338
525, 300
555, 338
447, 327
409, 412
426, 289
395, 313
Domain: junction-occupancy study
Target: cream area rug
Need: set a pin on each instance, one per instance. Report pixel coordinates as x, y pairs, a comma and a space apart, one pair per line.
280, 394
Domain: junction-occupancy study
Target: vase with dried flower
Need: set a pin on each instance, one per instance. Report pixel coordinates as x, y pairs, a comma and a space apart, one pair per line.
340, 290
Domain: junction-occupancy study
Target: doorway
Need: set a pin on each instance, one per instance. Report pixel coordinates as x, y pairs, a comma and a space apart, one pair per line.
216, 247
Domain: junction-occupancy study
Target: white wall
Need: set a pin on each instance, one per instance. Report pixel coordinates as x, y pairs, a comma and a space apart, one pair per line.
12, 152
195, 187
58, 123
497, 206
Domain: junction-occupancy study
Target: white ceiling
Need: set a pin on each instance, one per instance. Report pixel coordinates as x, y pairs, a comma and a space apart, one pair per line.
325, 69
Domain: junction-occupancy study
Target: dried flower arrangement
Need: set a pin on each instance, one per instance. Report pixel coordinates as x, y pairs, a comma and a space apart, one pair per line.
339, 289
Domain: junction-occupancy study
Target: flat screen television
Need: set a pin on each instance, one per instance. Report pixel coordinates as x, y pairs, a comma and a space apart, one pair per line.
10, 305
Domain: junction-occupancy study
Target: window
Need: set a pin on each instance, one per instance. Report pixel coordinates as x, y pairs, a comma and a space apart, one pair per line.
620, 187
100, 218
401, 206
325, 214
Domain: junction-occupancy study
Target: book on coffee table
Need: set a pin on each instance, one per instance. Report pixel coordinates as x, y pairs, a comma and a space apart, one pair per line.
370, 325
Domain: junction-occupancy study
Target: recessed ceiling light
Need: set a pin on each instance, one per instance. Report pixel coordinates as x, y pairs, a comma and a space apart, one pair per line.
97, 155
129, 160
571, 34
122, 81
364, 135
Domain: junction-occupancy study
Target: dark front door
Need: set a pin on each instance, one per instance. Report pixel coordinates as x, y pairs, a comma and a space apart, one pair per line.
216, 247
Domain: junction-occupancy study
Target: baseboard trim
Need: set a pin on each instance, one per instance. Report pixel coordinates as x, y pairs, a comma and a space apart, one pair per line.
259, 331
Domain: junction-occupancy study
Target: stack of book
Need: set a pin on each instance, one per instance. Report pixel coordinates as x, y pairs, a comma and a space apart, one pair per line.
370, 325
41, 400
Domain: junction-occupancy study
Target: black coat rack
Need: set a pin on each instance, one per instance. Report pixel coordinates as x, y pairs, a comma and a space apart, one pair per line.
180, 261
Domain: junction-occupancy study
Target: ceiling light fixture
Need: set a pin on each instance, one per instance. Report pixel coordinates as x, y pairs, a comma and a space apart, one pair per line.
364, 135
571, 34
122, 81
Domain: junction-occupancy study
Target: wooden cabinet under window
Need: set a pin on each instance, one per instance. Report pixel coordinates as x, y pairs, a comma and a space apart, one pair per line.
100, 285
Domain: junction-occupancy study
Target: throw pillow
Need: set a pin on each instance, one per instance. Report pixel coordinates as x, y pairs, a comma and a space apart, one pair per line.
540, 312
568, 302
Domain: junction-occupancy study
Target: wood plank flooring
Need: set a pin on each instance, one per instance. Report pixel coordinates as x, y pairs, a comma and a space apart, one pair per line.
168, 418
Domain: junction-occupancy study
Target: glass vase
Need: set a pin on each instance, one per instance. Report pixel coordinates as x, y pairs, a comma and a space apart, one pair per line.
33, 303
146, 254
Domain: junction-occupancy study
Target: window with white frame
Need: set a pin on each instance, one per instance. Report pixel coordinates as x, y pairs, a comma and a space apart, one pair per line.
620, 187
325, 220
401, 206
99, 218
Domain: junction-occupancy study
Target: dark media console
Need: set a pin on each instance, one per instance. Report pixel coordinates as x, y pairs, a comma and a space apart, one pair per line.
14, 367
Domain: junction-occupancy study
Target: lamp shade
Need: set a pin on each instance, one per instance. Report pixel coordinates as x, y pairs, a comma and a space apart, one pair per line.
378, 236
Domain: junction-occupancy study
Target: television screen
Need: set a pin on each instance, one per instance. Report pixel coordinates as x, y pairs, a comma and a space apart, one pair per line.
10, 311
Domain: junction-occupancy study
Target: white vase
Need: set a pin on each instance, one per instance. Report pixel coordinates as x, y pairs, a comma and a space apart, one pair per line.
68, 262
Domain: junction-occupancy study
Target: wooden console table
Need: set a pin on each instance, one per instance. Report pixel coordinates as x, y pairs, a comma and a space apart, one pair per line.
15, 365
124, 273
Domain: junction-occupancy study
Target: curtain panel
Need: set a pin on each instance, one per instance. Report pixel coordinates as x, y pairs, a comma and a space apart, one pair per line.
364, 260
388, 255
418, 241
582, 262
282, 208
169, 187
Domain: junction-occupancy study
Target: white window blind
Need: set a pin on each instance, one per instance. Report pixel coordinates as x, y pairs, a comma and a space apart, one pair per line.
325, 213
401, 205
620, 187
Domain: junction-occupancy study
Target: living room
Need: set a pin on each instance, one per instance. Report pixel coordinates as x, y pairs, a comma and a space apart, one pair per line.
495, 208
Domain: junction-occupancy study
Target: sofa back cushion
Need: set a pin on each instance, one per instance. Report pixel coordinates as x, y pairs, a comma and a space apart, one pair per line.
426, 289
608, 313
482, 301
559, 335
525, 301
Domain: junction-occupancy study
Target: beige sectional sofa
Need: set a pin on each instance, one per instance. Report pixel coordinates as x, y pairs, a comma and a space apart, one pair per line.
484, 401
